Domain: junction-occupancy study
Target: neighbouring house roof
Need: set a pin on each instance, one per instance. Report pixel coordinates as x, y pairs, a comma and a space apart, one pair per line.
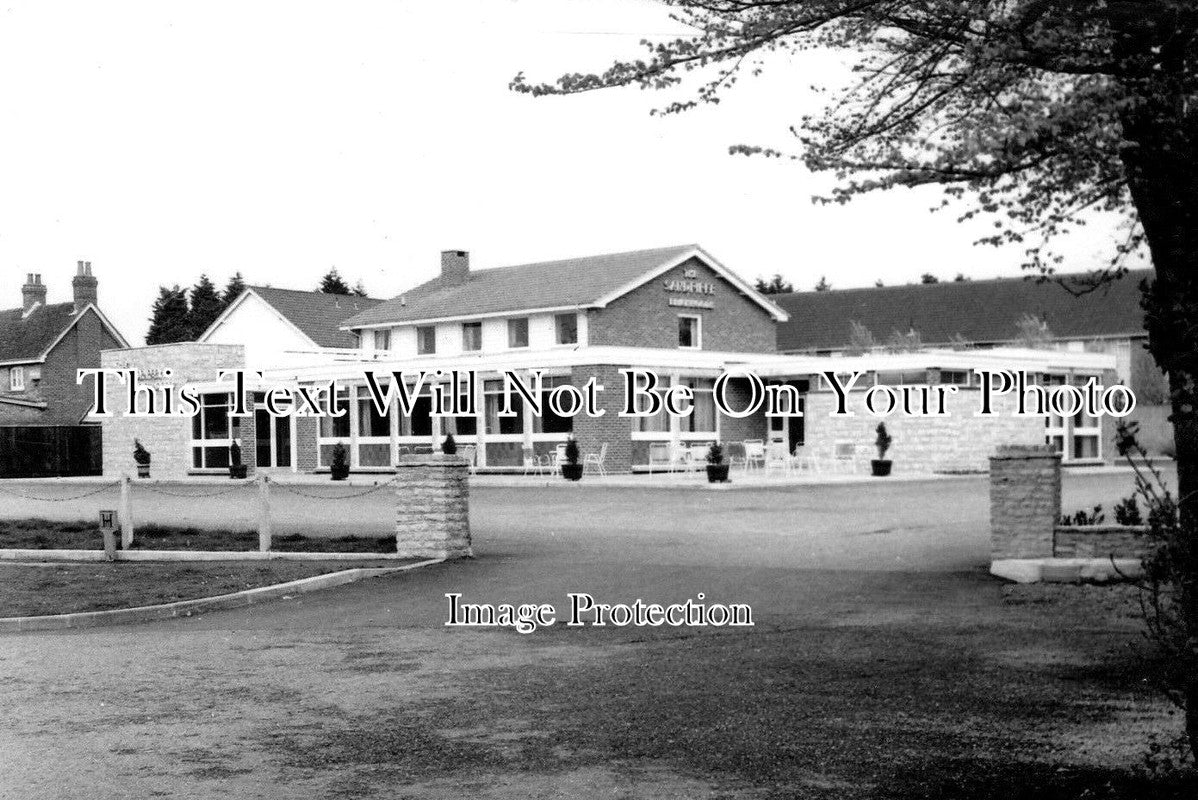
29, 338
316, 315
590, 281
978, 311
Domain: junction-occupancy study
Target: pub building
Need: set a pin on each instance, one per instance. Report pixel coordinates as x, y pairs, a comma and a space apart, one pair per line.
677, 312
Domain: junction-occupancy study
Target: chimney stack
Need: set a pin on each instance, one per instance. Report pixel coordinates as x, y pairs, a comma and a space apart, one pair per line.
84, 286
455, 267
33, 293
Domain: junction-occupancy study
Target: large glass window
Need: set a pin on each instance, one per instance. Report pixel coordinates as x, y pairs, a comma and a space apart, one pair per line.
382, 340
567, 328
517, 332
370, 422
472, 336
550, 422
426, 340
659, 422
493, 401
703, 417
337, 427
212, 431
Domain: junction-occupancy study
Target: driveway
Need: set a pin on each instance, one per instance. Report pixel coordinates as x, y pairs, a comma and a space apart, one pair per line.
884, 663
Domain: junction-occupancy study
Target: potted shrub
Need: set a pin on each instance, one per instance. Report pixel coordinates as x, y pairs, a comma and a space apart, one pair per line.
572, 469
236, 468
717, 469
339, 469
881, 464
449, 446
142, 457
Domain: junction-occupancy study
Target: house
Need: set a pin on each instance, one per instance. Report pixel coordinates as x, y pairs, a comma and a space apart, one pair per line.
282, 325
42, 345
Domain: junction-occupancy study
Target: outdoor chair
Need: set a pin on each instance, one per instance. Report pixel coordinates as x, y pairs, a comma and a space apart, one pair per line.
776, 457
844, 457
470, 453
680, 457
659, 454
754, 453
805, 458
597, 460
735, 452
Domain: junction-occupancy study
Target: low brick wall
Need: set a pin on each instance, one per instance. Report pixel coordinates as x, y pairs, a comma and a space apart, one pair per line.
1025, 501
432, 516
1099, 541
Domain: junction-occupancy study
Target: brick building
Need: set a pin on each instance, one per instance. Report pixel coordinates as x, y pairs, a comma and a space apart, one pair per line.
43, 344
675, 312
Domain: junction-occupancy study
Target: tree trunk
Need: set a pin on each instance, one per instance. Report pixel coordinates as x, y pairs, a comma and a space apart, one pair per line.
1161, 163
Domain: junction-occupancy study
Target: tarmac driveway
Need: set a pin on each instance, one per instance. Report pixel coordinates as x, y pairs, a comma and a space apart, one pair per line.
883, 660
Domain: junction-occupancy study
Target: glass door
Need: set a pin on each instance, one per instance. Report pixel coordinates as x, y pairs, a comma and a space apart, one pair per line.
272, 439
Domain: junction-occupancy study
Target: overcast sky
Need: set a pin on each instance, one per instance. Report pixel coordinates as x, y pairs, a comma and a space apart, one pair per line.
160, 140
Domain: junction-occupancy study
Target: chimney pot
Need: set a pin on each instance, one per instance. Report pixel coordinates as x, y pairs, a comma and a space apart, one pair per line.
455, 267
84, 286
33, 293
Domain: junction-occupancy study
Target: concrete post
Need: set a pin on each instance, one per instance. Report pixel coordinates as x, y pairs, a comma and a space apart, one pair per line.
432, 515
264, 532
1025, 501
126, 513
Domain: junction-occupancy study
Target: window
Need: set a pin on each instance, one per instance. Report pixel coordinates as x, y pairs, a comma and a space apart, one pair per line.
334, 429
382, 340
426, 340
567, 328
16, 379
550, 422
212, 431
493, 401
517, 332
689, 331
472, 336
955, 377
703, 418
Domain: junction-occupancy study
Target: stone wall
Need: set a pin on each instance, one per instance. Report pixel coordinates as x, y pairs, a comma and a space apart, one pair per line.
1099, 541
1025, 501
959, 442
432, 517
167, 438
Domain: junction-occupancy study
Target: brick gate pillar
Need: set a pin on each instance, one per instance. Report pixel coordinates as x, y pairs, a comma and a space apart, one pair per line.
1025, 501
432, 507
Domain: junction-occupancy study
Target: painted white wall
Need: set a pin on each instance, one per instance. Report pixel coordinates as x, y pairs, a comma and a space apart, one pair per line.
265, 333
542, 335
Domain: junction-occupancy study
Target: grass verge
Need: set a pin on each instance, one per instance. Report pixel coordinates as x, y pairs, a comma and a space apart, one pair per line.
38, 589
41, 534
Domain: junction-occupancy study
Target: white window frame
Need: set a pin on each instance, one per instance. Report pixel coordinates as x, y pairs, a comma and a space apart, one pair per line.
512, 321
382, 339
697, 334
476, 325
16, 379
557, 331
432, 329
203, 444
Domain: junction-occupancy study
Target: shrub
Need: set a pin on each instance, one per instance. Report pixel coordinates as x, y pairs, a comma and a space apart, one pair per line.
571, 451
715, 454
1127, 512
1094, 517
140, 454
883, 441
235, 454
449, 446
340, 458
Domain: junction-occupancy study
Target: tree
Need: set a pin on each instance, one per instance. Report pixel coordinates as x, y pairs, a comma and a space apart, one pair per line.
359, 289
206, 306
861, 340
1034, 333
1033, 112
233, 289
908, 342
775, 285
960, 278
333, 283
170, 318
823, 284
878, 284
928, 277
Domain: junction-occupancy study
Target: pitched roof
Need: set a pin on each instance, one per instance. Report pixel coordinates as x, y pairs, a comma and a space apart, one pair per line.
979, 311
318, 315
569, 283
26, 339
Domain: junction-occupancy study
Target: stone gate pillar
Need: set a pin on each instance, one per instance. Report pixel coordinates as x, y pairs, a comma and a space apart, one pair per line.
1025, 501
432, 507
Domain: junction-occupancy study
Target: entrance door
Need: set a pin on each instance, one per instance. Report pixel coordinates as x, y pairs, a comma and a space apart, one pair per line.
272, 439
788, 431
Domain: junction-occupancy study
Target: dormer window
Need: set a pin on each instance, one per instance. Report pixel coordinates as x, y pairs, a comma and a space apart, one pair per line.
16, 379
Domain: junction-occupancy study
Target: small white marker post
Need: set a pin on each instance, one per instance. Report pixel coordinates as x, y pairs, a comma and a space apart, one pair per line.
108, 524
263, 514
125, 517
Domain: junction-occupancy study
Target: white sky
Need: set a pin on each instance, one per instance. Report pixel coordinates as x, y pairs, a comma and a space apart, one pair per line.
160, 140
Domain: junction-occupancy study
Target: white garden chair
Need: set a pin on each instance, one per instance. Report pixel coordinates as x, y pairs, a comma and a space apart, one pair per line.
596, 460
754, 453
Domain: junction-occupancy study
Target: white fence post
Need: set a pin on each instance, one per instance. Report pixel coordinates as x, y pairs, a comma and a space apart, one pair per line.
126, 513
264, 532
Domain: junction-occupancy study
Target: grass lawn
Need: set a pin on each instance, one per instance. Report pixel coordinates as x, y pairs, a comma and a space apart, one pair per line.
37, 589
41, 534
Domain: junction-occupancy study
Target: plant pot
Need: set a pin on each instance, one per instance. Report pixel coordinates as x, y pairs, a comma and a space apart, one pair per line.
572, 472
238, 470
717, 473
339, 473
880, 467
143, 470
